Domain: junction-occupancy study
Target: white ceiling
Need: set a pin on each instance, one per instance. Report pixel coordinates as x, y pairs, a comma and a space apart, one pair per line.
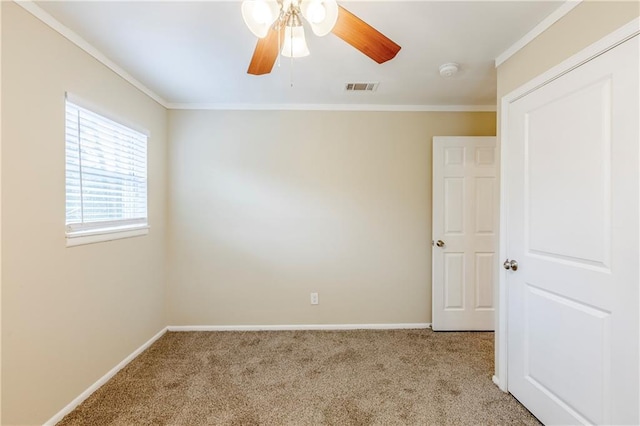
197, 53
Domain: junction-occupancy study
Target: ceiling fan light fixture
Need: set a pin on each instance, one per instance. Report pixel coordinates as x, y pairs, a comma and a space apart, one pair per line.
259, 15
321, 14
295, 45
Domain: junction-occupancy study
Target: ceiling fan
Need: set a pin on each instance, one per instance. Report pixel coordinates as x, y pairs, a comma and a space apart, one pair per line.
278, 24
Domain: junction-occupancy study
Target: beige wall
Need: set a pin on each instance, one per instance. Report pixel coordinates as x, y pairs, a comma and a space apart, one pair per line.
584, 25
69, 315
269, 206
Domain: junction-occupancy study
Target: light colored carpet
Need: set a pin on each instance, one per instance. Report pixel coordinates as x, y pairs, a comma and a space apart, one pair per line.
391, 377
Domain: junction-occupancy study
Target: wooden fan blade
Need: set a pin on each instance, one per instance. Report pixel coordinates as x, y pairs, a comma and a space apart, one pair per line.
265, 54
364, 37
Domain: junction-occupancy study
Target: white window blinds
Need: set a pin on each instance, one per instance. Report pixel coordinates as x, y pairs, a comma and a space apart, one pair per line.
106, 173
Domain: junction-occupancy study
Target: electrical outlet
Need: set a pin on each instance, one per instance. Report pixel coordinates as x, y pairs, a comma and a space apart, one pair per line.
314, 298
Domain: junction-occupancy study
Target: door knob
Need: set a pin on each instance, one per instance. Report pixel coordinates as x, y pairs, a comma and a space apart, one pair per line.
440, 243
510, 264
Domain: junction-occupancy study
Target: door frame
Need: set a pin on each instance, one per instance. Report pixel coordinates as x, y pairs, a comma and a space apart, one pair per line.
601, 46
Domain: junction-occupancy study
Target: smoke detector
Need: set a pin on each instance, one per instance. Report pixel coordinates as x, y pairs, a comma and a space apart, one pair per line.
449, 70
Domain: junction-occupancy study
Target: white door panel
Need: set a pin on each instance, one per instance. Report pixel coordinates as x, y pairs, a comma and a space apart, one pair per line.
465, 188
454, 280
485, 265
572, 190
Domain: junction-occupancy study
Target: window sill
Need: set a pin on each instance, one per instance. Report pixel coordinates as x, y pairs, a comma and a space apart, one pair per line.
101, 235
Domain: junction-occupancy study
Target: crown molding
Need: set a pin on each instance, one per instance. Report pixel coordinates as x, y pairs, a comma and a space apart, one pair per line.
555, 16
332, 107
73, 37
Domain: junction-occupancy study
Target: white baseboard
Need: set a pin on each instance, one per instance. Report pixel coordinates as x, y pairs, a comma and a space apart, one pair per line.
101, 381
496, 381
397, 326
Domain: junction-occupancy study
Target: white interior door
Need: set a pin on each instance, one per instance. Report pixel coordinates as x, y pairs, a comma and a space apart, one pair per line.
465, 223
572, 188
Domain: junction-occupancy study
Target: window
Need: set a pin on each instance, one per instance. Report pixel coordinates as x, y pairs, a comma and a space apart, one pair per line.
106, 178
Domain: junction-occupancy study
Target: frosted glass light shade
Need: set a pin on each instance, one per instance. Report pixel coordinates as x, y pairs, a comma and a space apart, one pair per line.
321, 14
316, 12
295, 45
259, 15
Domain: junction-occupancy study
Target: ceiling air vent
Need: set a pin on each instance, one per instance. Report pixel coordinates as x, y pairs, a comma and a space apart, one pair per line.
361, 87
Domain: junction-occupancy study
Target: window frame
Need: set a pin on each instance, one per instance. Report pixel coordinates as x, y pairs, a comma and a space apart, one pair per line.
81, 233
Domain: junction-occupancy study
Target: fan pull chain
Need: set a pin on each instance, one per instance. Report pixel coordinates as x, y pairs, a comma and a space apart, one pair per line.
291, 53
